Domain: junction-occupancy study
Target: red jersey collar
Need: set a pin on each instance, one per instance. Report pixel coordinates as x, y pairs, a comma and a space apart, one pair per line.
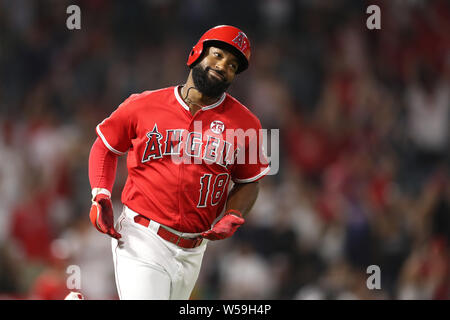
185, 106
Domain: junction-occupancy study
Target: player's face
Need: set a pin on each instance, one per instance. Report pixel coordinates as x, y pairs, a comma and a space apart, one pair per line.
214, 74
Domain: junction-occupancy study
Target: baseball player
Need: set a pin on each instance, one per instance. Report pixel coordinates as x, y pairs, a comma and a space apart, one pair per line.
194, 158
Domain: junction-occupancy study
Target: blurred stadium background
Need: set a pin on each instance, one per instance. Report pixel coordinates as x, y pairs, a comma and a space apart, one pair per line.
364, 140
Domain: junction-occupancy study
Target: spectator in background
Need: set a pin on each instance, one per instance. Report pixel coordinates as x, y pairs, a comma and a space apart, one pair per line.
428, 111
426, 271
11, 174
51, 283
245, 275
85, 248
30, 223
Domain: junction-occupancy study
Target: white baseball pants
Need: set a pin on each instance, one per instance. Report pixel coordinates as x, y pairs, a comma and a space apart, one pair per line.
148, 267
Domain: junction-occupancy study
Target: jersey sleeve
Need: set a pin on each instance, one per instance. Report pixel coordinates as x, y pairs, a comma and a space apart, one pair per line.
253, 164
117, 131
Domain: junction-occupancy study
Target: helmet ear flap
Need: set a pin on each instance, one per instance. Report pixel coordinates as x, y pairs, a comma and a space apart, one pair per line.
195, 54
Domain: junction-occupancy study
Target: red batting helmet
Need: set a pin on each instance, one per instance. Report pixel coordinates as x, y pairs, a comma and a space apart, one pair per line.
233, 38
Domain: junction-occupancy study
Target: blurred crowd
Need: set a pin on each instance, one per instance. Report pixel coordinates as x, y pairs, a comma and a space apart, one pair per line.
364, 143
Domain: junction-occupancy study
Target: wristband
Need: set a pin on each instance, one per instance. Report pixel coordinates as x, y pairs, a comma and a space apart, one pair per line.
97, 191
234, 212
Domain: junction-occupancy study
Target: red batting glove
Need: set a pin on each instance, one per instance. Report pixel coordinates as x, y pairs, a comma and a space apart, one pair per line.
225, 227
102, 216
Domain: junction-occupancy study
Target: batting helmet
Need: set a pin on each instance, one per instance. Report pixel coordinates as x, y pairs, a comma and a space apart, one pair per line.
229, 37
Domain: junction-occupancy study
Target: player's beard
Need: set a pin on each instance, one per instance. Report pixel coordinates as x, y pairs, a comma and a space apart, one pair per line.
207, 85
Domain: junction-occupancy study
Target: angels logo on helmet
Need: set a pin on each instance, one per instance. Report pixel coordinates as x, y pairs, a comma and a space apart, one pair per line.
240, 41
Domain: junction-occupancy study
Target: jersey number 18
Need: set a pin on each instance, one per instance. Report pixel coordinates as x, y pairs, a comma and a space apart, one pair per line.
218, 188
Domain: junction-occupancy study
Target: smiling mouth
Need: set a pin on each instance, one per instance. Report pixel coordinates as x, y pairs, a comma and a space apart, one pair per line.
217, 75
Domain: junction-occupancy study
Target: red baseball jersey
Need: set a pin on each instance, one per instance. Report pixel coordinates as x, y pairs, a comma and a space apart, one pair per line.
180, 166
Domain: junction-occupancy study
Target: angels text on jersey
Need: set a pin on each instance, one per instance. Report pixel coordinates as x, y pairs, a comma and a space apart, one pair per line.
215, 145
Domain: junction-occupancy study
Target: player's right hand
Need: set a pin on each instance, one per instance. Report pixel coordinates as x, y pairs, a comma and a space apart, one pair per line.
102, 217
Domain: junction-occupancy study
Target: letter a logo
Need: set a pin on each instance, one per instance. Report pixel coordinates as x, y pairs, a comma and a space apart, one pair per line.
239, 40
153, 148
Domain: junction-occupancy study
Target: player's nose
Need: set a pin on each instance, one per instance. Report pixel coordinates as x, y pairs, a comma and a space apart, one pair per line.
220, 66
219, 70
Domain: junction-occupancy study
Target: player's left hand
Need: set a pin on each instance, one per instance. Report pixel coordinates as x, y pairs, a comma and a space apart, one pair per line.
225, 227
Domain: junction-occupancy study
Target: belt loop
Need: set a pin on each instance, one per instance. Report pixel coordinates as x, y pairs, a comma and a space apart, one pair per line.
154, 226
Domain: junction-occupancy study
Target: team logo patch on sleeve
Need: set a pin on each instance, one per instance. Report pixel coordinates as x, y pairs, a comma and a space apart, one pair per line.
217, 127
